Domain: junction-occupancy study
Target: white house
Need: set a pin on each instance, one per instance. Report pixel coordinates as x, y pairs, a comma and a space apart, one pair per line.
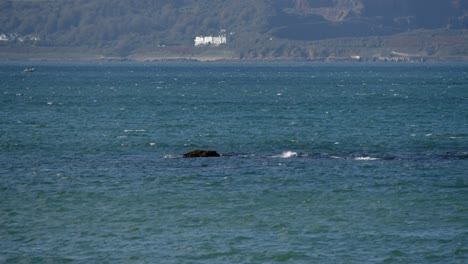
210, 40
4, 37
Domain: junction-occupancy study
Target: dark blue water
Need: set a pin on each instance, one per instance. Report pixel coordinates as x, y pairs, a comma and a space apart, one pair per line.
323, 163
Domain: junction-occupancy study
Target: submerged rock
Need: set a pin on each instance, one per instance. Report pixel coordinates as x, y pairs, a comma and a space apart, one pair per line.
201, 153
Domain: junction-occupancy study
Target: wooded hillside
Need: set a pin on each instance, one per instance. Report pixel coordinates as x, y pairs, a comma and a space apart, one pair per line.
255, 28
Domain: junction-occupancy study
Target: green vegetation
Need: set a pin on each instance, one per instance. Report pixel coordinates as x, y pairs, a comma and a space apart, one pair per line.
256, 29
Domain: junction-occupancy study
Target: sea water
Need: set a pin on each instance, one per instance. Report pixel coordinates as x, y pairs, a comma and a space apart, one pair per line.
322, 163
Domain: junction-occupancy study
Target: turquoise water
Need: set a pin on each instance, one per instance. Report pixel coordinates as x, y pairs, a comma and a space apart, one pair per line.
323, 163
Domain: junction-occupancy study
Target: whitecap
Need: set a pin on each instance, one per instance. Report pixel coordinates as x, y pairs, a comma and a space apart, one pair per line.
365, 158
287, 154
336, 157
171, 156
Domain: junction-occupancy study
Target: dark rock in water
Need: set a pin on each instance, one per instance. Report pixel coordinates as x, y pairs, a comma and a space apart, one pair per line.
201, 153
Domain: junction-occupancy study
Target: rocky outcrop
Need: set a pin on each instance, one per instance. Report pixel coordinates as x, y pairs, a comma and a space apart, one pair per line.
201, 154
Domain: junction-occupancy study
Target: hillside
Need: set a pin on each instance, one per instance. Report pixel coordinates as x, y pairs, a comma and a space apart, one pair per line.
258, 29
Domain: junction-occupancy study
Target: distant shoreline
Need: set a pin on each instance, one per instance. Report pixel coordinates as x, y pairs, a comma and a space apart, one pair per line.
204, 58
181, 59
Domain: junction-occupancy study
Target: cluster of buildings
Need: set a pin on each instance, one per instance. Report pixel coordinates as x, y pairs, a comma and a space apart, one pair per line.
401, 57
7, 37
213, 41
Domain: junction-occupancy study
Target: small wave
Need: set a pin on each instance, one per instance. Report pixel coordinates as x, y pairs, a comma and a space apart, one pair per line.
287, 154
239, 155
343, 157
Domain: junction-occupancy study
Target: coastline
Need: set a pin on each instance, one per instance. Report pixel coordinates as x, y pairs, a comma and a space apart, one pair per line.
95, 57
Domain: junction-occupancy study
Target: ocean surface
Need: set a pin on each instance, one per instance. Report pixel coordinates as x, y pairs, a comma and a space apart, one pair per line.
322, 163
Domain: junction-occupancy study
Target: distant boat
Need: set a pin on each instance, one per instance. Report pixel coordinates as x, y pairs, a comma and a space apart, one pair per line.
28, 70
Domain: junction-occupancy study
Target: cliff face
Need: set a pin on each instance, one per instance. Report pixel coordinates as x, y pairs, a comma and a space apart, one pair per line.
334, 11
320, 19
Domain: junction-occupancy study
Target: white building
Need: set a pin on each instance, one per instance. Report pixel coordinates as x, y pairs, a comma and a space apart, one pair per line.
16, 37
4, 37
210, 40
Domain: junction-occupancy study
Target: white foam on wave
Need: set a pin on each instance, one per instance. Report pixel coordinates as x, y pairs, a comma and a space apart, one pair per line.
172, 156
287, 154
336, 157
365, 158
242, 155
